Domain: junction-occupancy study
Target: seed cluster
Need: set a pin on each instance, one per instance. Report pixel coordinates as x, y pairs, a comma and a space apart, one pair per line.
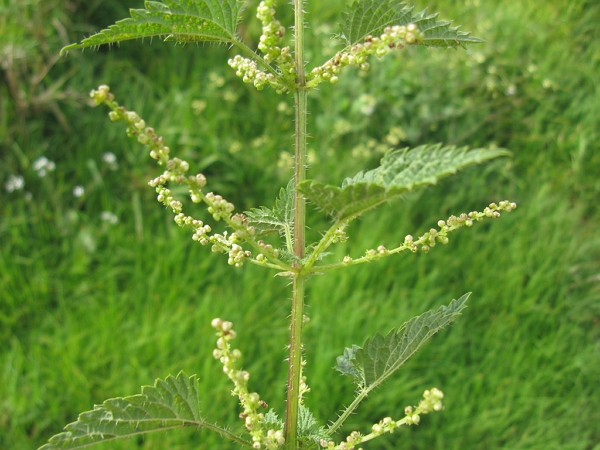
250, 401
270, 45
434, 236
431, 401
249, 72
176, 172
272, 35
393, 38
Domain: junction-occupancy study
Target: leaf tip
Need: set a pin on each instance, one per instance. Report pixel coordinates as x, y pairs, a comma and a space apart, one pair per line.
65, 50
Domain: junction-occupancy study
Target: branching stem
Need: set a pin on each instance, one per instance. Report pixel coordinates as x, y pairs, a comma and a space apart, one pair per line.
323, 244
260, 60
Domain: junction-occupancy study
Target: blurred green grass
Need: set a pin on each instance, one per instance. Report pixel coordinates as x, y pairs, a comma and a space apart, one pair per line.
91, 310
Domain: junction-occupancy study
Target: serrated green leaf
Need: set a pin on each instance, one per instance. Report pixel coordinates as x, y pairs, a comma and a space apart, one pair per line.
381, 356
345, 365
171, 403
371, 17
272, 421
309, 430
173, 20
280, 218
440, 33
401, 171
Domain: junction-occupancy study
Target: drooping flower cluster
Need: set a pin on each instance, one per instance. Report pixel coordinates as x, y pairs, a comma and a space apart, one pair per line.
453, 223
272, 36
432, 401
249, 72
176, 172
430, 238
267, 249
393, 38
250, 401
270, 45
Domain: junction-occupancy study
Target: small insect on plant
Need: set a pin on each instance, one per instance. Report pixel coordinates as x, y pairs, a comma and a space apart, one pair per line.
368, 28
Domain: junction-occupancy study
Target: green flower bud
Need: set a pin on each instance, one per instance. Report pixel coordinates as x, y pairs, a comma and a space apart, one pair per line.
132, 116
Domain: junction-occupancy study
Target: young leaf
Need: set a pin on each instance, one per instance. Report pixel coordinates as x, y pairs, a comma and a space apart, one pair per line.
345, 365
175, 20
381, 356
172, 403
400, 171
280, 218
371, 17
309, 430
272, 421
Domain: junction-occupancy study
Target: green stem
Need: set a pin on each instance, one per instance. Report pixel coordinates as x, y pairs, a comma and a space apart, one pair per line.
325, 242
227, 434
295, 356
348, 411
294, 363
265, 65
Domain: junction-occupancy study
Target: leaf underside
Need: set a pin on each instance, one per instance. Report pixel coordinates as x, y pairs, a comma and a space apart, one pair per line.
371, 17
401, 171
381, 356
279, 219
170, 403
174, 20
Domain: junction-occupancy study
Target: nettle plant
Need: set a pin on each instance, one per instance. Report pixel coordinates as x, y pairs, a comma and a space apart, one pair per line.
368, 28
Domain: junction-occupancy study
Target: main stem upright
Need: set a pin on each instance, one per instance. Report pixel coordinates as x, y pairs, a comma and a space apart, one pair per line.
295, 355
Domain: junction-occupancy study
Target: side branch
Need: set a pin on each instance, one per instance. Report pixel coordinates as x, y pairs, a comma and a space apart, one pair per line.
424, 242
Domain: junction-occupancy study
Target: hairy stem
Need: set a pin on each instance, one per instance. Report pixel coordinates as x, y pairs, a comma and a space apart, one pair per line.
325, 242
295, 356
264, 65
348, 411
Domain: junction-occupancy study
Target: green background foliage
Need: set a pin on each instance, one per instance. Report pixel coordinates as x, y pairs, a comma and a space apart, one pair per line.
90, 310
